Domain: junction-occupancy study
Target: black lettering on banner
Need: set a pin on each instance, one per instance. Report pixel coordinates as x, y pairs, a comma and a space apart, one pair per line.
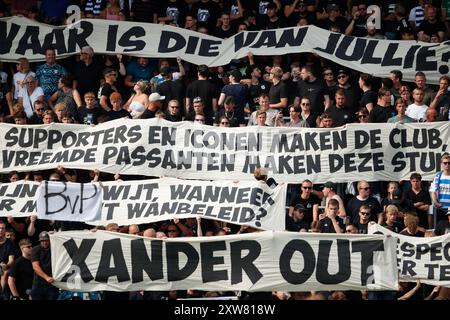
358, 50
7, 37
140, 261
288, 38
367, 249
323, 261
112, 249
79, 40
30, 41
78, 256
422, 63
431, 268
30, 206
444, 69
165, 39
82, 197
55, 39
111, 38
174, 272
368, 57
239, 263
110, 207
447, 251
244, 39
135, 45
266, 39
422, 249
192, 45
309, 261
408, 268
444, 274
6, 204
388, 59
207, 250
209, 48
407, 248
435, 251
409, 58
332, 42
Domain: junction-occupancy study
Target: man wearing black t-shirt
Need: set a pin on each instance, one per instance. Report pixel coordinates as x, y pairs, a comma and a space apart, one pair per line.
20, 276
42, 265
7, 250
364, 198
369, 97
313, 88
309, 200
383, 110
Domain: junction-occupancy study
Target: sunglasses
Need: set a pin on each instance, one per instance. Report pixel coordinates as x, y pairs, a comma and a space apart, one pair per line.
445, 163
224, 122
305, 104
328, 74
28, 246
38, 109
175, 107
365, 213
365, 189
307, 188
362, 116
342, 77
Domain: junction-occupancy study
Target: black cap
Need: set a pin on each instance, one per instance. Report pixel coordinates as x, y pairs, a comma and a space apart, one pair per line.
299, 207
330, 185
342, 71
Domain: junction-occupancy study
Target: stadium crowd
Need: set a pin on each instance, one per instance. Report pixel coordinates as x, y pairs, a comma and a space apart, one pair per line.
296, 90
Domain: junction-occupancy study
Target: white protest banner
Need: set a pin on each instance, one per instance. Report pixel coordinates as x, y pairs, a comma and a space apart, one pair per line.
156, 147
67, 201
18, 199
261, 261
250, 203
24, 37
424, 259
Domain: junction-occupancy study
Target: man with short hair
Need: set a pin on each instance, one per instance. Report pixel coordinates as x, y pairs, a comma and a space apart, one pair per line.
41, 260
296, 222
7, 249
87, 73
363, 218
421, 83
309, 200
315, 89
339, 111
417, 109
332, 223
441, 102
383, 110
364, 198
20, 276
49, 73
329, 192
440, 189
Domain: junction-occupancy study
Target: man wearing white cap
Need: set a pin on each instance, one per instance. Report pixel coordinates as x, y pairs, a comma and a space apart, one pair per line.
153, 106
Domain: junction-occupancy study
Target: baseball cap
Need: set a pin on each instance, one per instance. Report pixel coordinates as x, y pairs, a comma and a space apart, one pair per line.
43, 236
299, 207
330, 185
155, 97
396, 196
342, 71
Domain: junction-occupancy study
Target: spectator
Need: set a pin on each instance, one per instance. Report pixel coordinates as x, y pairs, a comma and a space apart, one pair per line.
309, 200
153, 106
7, 249
89, 113
49, 73
364, 198
443, 227
229, 112
117, 111
138, 100
20, 276
296, 222
315, 89
405, 94
362, 115
110, 76
358, 23
440, 189
411, 224
29, 94
278, 93
271, 114
173, 112
363, 218
23, 71
441, 102
332, 223
421, 83
41, 260
306, 115
383, 110
66, 95
329, 192
417, 109
340, 111
401, 116
87, 73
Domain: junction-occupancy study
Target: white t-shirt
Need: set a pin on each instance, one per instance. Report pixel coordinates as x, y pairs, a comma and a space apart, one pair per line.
18, 78
416, 112
28, 100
